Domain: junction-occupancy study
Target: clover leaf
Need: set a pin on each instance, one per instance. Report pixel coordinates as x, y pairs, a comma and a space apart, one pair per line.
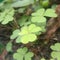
56, 51
9, 46
15, 34
33, 28
39, 12
55, 55
39, 15
27, 34
50, 13
56, 47
28, 38
28, 56
23, 54
38, 19
7, 16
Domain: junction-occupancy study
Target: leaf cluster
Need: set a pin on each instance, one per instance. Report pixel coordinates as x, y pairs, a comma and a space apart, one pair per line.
27, 34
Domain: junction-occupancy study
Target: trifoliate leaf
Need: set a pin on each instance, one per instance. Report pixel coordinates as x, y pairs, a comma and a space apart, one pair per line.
23, 54
7, 16
9, 47
7, 19
50, 13
38, 19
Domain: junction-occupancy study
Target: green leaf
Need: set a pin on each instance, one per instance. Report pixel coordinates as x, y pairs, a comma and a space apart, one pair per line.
50, 13
39, 12
22, 3
18, 39
56, 47
7, 16
28, 38
29, 55
22, 50
17, 56
38, 19
23, 54
15, 34
56, 51
24, 30
33, 28
27, 34
7, 19
9, 46
56, 55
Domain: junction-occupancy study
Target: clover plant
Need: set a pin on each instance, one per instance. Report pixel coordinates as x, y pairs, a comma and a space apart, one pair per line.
23, 54
6, 16
56, 51
39, 17
29, 33
28, 29
26, 34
